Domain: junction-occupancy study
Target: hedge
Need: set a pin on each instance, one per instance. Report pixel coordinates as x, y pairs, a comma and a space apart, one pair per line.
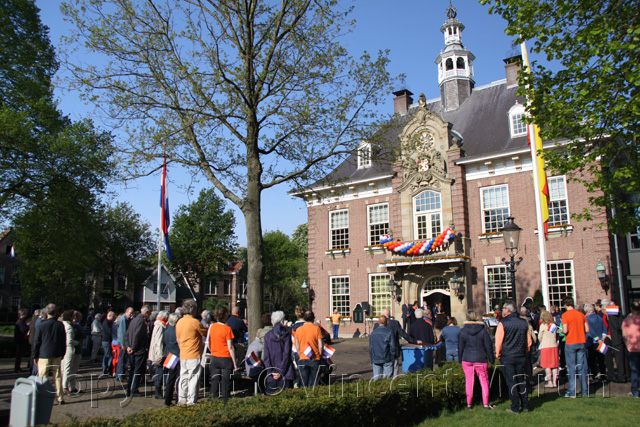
405, 400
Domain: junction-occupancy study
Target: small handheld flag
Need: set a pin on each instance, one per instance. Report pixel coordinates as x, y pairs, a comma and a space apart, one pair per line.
252, 360
602, 347
171, 361
553, 327
328, 352
13, 251
613, 310
308, 352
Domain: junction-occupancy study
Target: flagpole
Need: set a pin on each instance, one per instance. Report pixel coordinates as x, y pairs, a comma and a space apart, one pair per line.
538, 191
161, 232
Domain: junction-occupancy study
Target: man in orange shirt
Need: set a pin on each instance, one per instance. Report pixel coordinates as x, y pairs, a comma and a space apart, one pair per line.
575, 327
310, 348
189, 333
335, 322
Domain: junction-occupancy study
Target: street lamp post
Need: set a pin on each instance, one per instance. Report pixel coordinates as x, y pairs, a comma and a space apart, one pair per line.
306, 290
511, 236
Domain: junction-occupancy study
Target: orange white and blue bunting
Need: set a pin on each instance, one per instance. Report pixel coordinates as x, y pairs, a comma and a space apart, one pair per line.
435, 244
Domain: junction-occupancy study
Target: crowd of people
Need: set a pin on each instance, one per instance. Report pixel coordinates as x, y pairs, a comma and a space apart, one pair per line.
587, 343
175, 349
590, 341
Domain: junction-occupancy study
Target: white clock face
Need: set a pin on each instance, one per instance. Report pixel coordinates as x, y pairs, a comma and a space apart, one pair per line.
426, 141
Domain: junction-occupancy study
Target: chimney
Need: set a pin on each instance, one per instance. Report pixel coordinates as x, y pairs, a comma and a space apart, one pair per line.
402, 101
511, 66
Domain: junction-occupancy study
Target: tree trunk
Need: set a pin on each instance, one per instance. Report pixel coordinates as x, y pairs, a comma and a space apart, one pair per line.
255, 258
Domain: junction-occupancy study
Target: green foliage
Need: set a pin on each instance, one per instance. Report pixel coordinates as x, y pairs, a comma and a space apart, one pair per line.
537, 298
286, 269
38, 146
403, 401
127, 240
590, 94
202, 236
57, 240
212, 303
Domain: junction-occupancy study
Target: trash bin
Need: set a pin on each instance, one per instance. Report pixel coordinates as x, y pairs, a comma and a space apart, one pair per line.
415, 358
31, 401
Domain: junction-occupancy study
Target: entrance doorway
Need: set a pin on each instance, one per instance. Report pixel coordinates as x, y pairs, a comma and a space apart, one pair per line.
439, 296
436, 290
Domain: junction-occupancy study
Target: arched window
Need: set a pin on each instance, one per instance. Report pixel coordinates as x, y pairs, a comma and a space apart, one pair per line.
449, 64
517, 126
460, 63
427, 215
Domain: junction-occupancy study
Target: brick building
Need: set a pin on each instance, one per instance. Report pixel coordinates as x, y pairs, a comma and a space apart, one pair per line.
464, 164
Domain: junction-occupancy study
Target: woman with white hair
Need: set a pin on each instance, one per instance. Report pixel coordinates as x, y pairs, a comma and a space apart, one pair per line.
277, 355
96, 337
156, 351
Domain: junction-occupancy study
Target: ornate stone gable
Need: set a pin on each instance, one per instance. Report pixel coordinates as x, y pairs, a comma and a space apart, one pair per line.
425, 141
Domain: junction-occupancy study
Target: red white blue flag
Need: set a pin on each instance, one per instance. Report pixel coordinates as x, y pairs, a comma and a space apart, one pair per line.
602, 347
553, 327
613, 310
171, 361
253, 360
164, 209
328, 352
309, 352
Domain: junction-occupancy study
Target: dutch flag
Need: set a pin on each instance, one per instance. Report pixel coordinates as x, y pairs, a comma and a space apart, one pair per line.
553, 327
613, 310
252, 360
308, 352
602, 347
328, 352
164, 210
171, 361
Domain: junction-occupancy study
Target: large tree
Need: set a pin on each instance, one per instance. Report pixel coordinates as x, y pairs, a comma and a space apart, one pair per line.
247, 93
39, 147
589, 94
202, 237
126, 240
57, 240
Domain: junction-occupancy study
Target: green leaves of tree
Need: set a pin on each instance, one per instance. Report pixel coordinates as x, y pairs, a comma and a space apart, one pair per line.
593, 99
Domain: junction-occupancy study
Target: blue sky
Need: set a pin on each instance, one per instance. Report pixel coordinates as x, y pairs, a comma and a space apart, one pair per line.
409, 28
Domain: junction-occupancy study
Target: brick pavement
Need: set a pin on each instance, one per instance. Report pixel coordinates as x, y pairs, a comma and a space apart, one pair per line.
108, 400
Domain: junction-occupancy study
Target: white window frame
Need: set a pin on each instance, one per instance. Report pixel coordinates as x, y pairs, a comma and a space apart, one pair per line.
558, 300
226, 282
428, 214
496, 286
341, 309
211, 288
364, 156
557, 199
14, 298
331, 229
482, 207
516, 114
371, 224
385, 277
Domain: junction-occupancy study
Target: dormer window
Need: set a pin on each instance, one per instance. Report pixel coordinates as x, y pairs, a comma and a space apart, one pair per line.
364, 155
517, 125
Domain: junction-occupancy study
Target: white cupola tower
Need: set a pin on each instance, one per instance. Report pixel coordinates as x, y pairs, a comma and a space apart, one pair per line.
455, 64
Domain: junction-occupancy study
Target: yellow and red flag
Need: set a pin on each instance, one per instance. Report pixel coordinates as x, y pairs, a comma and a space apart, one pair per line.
543, 186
